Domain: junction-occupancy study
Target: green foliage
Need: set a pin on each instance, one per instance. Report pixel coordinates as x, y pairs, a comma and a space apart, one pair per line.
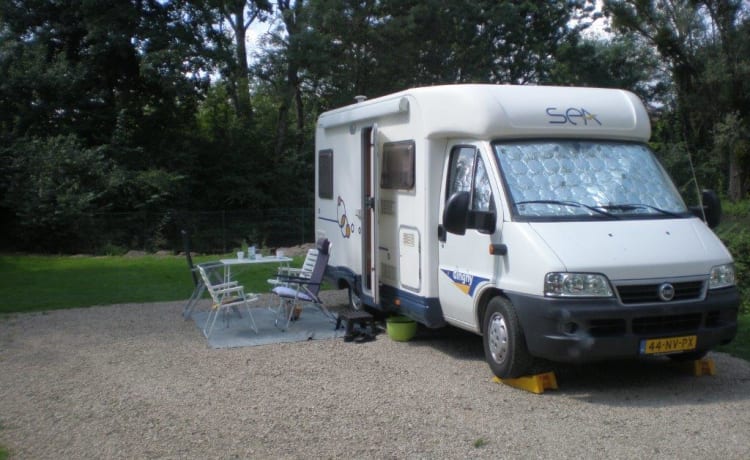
128, 88
54, 186
620, 62
705, 45
734, 231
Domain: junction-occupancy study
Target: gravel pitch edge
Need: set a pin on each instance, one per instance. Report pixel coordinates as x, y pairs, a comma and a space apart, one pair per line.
136, 381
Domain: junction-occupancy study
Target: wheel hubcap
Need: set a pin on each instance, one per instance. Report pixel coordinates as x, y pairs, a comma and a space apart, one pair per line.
498, 337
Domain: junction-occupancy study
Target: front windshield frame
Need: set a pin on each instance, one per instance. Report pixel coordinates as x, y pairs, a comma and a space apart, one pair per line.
585, 179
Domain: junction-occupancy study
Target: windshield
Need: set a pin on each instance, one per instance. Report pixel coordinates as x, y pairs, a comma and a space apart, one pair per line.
572, 178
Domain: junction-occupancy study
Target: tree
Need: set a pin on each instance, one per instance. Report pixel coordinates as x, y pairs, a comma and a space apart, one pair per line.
240, 15
705, 45
622, 61
54, 186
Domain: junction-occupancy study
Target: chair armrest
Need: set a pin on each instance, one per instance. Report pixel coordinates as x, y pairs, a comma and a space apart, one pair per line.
225, 285
230, 290
297, 280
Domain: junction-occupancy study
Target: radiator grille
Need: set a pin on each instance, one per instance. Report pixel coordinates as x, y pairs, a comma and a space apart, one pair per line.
646, 293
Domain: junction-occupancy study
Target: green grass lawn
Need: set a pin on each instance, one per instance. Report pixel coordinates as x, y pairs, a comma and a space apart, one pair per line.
37, 283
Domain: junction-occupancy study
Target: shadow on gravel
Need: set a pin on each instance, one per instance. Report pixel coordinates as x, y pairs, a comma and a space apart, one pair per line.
452, 341
648, 382
653, 382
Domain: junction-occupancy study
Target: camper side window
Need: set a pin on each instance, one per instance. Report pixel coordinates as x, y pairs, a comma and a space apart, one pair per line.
468, 173
325, 174
398, 166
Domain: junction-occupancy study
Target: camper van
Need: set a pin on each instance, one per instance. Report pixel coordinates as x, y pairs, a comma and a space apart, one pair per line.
534, 216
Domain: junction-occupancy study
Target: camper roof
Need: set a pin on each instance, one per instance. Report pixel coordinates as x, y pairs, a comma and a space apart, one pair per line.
506, 111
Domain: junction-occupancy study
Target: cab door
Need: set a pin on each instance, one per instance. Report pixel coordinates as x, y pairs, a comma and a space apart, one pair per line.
465, 264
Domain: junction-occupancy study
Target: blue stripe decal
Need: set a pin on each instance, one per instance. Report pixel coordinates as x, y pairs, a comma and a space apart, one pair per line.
466, 282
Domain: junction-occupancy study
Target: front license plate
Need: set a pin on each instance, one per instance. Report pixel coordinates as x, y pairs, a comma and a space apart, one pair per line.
668, 345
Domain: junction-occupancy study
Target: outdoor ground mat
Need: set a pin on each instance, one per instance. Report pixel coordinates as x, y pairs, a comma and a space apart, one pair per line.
233, 331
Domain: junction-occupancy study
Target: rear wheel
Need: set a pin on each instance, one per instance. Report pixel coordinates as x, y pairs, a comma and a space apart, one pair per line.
504, 343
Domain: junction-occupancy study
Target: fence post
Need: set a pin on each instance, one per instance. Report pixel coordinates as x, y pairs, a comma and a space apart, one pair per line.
224, 231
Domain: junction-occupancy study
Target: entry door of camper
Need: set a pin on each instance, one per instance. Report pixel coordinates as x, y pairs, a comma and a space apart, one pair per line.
465, 263
370, 240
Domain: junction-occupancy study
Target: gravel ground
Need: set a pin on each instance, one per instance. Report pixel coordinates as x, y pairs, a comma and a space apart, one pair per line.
136, 381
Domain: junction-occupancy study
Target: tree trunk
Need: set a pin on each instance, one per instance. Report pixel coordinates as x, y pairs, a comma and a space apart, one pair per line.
291, 91
235, 15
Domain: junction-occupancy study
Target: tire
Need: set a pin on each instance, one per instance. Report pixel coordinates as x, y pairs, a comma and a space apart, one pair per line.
355, 302
504, 342
689, 356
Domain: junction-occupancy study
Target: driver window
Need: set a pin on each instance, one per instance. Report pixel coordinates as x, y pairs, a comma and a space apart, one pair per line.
482, 199
467, 173
462, 164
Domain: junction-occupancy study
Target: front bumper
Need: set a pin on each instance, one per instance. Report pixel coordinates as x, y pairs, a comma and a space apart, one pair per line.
580, 330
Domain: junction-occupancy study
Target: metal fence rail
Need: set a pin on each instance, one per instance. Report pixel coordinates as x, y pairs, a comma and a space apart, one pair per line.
210, 231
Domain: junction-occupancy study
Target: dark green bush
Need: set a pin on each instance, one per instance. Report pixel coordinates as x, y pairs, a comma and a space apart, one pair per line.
735, 233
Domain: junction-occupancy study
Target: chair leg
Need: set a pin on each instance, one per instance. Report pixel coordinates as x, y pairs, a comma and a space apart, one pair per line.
252, 320
193, 300
286, 309
215, 311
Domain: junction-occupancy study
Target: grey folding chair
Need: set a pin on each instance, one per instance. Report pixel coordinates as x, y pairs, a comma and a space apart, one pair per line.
296, 291
302, 272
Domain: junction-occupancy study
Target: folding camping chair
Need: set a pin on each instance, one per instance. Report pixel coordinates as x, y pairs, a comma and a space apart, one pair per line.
302, 272
199, 286
295, 291
224, 296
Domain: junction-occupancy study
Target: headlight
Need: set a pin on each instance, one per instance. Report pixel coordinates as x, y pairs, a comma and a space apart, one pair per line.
721, 276
576, 285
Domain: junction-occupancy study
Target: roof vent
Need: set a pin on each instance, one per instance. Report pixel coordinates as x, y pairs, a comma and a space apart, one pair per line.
360, 98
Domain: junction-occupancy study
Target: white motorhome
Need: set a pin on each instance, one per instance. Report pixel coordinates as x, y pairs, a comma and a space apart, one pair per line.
535, 216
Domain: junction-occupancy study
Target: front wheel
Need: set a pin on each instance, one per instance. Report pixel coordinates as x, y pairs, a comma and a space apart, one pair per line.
504, 343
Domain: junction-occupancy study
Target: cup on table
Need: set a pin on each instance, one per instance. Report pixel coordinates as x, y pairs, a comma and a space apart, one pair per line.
251, 252
240, 254
279, 253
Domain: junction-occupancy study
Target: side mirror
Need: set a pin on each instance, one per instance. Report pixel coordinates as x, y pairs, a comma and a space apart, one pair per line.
456, 213
711, 208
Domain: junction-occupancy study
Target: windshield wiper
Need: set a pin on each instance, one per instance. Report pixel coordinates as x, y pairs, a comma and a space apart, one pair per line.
573, 204
634, 206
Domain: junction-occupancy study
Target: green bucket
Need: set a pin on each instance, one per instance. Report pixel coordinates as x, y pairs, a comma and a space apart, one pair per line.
400, 328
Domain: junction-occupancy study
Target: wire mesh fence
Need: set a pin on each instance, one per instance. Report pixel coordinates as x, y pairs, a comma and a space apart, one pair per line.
209, 231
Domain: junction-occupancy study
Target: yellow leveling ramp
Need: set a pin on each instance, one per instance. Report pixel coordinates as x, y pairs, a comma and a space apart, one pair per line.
533, 383
698, 367
704, 367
